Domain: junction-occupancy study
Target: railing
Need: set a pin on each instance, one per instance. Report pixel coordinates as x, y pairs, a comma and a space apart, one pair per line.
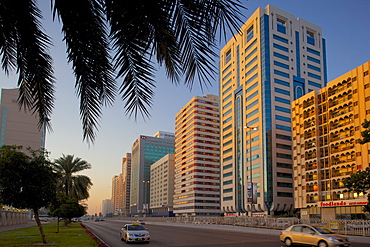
342, 226
347, 227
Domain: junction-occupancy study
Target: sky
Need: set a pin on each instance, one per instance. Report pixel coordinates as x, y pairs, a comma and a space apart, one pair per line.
345, 26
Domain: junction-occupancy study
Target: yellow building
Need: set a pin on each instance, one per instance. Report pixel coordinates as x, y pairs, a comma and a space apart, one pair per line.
326, 125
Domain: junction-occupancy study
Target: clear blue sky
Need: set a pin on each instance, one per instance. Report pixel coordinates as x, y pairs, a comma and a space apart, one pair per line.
345, 26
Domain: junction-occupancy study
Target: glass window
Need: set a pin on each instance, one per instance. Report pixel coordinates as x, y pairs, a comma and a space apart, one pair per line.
281, 65
281, 25
281, 100
280, 39
313, 51
281, 56
250, 33
281, 118
310, 37
278, 90
228, 56
280, 47
282, 109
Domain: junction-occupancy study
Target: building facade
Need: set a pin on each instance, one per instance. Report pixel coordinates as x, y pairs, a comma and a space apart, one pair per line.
18, 127
146, 150
161, 186
275, 59
107, 207
126, 178
117, 194
326, 125
197, 158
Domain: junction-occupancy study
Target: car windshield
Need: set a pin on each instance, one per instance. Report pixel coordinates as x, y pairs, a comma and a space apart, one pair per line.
322, 230
136, 228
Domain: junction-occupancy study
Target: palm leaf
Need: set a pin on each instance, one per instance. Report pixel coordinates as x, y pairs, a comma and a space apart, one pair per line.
88, 51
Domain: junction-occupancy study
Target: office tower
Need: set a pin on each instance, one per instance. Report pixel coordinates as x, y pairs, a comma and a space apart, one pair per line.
126, 177
18, 126
146, 150
117, 194
275, 59
161, 186
197, 158
326, 127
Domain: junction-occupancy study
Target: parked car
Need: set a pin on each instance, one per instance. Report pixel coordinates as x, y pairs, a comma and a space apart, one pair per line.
312, 236
283, 224
134, 232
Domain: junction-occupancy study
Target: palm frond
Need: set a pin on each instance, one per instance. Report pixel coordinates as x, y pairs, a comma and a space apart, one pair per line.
88, 50
8, 34
132, 36
25, 46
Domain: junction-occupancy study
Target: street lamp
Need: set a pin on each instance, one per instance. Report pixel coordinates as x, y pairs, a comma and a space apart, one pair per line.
250, 199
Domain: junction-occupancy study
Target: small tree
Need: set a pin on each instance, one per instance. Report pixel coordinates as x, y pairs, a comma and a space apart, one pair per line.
359, 182
26, 181
66, 208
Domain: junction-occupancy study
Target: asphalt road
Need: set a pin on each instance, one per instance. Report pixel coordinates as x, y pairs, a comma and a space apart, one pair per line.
168, 235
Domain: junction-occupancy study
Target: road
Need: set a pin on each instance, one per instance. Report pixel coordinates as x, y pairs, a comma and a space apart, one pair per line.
167, 235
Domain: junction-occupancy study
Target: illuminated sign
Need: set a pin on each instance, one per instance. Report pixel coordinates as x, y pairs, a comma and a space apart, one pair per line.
340, 203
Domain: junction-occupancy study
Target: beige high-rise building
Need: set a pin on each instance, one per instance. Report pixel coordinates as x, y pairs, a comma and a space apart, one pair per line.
197, 158
117, 194
126, 181
275, 59
161, 186
326, 126
18, 127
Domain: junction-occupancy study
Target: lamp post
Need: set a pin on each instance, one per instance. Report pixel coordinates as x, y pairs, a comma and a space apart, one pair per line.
250, 128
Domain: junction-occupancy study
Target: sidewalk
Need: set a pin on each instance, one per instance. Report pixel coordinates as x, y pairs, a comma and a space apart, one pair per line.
11, 227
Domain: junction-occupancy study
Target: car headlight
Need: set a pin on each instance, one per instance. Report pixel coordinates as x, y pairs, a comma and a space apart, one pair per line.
131, 235
333, 239
147, 235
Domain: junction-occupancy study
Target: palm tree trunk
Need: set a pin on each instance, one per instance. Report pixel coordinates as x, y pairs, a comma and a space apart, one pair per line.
41, 229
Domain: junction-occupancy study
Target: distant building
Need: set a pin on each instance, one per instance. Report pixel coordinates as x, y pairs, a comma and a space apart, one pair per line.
274, 59
146, 150
126, 178
18, 127
161, 186
197, 158
164, 134
107, 207
326, 125
117, 194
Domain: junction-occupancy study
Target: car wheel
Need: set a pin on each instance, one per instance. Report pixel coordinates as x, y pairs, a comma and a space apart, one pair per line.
288, 242
323, 244
120, 236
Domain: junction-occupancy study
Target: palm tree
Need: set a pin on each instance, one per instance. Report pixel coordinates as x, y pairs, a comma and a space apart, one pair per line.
73, 186
177, 34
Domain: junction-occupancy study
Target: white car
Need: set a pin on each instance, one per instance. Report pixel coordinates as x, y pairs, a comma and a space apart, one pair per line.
134, 232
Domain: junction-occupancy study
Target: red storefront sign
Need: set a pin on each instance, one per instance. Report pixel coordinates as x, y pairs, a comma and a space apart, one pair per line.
340, 203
